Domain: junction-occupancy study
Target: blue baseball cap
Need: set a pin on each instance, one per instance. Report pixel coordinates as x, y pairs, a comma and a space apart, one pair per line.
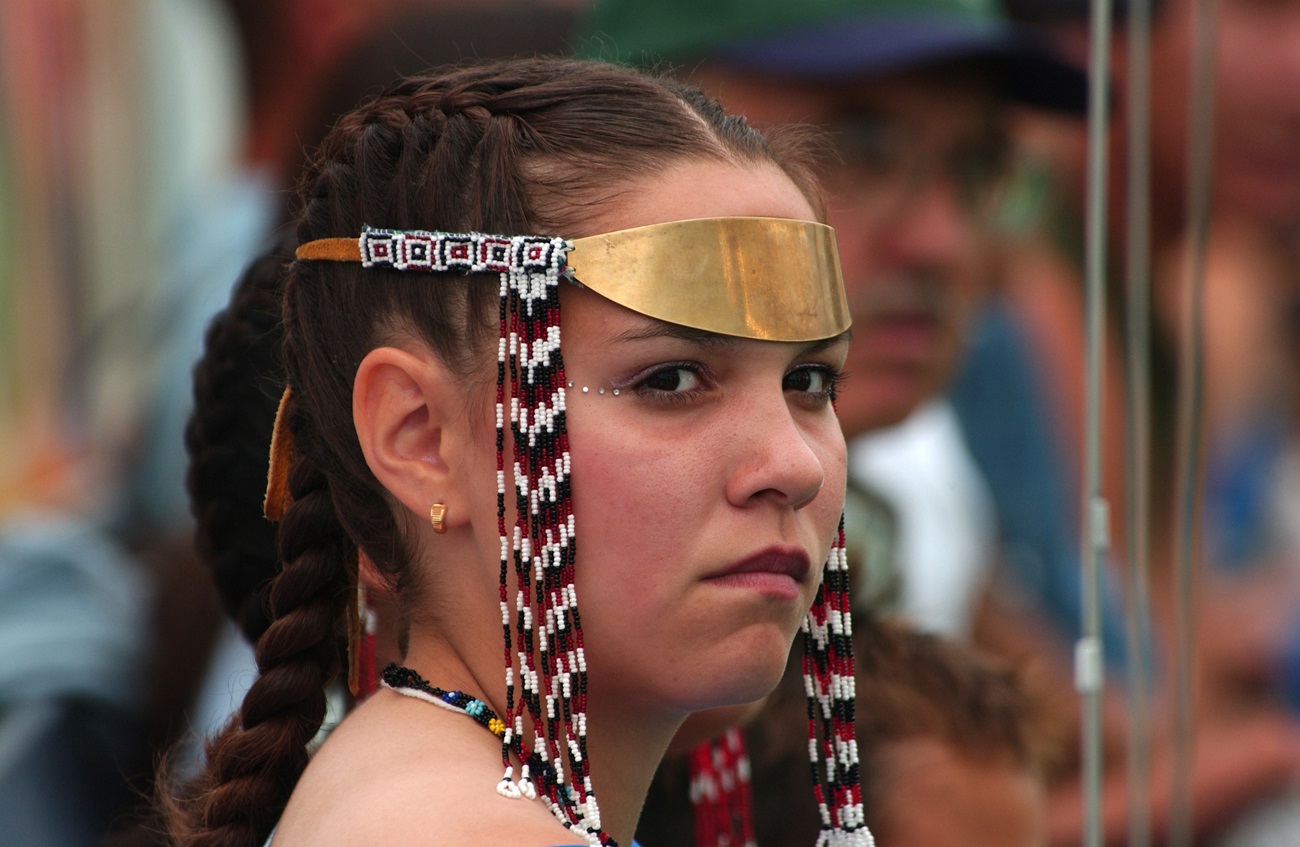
834, 41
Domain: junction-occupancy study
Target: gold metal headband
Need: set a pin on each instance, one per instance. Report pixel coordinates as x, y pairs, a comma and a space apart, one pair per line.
764, 278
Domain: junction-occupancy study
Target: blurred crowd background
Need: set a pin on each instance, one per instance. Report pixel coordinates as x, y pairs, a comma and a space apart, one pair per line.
147, 155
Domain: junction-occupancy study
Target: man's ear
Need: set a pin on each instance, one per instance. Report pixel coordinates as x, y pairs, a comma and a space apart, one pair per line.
402, 403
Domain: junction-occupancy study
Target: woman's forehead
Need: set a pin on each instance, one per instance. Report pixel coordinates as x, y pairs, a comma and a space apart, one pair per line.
705, 188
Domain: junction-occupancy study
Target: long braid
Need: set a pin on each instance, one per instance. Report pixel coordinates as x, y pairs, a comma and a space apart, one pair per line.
255, 762
237, 386
237, 382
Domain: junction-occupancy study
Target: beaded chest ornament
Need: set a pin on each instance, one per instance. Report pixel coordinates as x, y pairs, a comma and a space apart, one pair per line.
787, 288
720, 797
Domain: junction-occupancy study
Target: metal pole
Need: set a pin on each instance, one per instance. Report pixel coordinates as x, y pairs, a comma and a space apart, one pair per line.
1191, 389
1138, 420
1089, 672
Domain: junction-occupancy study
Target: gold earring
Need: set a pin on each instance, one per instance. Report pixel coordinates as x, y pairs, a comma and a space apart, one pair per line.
437, 513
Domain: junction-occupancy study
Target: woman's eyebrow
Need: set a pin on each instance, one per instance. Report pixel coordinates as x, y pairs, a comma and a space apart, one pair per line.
653, 329
826, 343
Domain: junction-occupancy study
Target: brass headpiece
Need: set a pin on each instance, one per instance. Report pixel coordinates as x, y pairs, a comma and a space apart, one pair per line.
764, 278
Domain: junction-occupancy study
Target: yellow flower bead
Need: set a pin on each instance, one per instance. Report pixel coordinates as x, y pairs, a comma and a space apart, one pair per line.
496, 726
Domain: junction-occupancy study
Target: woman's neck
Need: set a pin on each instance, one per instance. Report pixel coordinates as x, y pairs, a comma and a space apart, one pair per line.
625, 749
624, 744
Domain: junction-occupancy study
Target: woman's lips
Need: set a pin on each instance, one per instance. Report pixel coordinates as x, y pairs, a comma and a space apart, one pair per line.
777, 572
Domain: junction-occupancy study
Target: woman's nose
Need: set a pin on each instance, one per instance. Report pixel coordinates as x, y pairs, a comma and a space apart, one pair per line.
773, 458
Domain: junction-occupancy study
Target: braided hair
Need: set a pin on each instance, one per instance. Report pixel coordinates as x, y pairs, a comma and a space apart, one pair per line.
520, 146
237, 387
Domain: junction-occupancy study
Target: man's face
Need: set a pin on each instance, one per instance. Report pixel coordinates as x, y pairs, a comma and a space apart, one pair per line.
919, 156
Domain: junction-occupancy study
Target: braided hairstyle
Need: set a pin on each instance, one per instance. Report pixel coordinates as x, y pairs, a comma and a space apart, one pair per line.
237, 388
517, 146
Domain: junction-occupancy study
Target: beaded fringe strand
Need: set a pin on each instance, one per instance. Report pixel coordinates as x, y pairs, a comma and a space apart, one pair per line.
547, 637
829, 684
720, 793
540, 547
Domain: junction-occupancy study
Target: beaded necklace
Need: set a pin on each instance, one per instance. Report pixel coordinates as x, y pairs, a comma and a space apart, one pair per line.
408, 682
544, 774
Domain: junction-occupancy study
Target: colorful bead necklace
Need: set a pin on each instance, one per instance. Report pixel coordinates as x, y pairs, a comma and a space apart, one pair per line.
544, 774
408, 682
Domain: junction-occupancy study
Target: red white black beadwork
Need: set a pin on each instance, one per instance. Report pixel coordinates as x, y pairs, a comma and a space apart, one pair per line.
470, 252
541, 627
720, 794
830, 684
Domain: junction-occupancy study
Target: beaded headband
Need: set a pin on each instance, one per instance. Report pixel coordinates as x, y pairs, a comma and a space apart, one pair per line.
762, 278
765, 278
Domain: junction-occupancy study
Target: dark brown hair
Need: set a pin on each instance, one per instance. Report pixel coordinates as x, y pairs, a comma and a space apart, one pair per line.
237, 387
514, 147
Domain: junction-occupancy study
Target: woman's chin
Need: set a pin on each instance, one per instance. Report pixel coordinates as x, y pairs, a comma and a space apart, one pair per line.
748, 672
733, 705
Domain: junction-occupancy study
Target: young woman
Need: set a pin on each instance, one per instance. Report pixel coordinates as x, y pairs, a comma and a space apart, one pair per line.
676, 462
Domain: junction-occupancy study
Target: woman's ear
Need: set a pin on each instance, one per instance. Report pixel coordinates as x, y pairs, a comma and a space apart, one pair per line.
402, 404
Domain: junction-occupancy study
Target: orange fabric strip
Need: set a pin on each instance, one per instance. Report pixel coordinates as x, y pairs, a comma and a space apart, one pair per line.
281, 460
330, 250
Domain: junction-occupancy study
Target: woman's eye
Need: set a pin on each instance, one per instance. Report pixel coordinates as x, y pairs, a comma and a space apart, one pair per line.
816, 380
675, 379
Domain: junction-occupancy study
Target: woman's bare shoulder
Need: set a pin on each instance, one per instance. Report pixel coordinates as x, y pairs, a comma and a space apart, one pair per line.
391, 773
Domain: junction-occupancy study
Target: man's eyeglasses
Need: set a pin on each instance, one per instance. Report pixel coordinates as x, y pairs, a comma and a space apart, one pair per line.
885, 164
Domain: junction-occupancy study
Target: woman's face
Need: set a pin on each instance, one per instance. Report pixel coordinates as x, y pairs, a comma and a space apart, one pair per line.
707, 491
